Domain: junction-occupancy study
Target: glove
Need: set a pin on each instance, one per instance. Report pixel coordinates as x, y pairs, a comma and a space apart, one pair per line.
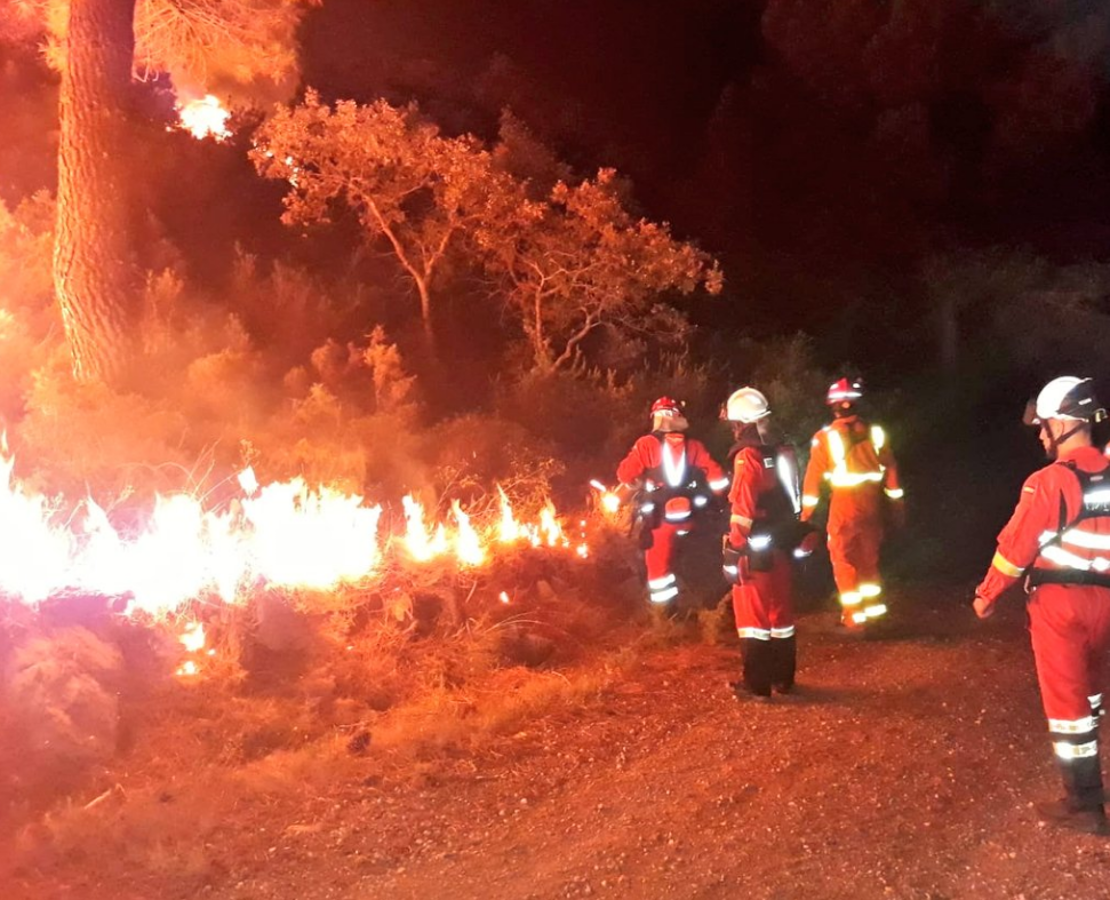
983, 607
734, 562
808, 545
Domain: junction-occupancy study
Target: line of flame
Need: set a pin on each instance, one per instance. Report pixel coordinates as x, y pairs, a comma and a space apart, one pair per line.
282, 534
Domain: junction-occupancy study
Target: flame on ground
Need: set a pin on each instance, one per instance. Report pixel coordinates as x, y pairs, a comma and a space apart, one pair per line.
204, 117
284, 534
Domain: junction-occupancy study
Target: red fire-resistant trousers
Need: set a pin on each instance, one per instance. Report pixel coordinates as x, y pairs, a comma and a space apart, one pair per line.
763, 605
659, 557
1070, 629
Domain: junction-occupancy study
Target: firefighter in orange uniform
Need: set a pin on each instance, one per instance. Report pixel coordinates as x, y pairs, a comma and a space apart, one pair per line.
1059, 539
763, 534
854, 458
675, 476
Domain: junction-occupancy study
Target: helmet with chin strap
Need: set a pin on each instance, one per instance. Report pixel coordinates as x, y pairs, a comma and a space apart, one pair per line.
1068, 398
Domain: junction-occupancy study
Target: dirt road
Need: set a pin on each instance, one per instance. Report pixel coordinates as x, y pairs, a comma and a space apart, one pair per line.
905, 768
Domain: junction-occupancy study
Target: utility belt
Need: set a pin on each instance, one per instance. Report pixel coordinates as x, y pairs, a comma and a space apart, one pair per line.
762, 543
1038, 577
675, 508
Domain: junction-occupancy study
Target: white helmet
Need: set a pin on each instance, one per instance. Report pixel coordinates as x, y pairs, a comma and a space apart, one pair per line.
1067, 397
747, 405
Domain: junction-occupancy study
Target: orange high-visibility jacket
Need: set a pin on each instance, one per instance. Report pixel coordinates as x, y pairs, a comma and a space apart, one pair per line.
854, 458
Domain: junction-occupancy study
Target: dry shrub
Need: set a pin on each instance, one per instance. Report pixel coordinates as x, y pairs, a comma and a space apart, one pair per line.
472, 453
62, 692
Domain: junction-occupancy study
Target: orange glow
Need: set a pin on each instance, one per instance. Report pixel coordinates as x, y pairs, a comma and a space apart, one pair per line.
192, 637
282, 534
204, 117
467, 545
609, 500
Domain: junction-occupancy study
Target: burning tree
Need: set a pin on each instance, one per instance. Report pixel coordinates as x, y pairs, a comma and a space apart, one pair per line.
413, 189
99, 46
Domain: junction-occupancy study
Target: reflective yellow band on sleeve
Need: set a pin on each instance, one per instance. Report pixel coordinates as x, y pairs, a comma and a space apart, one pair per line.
742, 521
1006, 567
895, 493
810, 500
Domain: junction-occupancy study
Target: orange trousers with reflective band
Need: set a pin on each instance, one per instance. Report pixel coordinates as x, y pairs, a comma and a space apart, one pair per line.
855, 538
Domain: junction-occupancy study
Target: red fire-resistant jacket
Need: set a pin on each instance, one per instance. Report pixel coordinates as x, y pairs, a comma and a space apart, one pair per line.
752, 479
1036, 517
684, 456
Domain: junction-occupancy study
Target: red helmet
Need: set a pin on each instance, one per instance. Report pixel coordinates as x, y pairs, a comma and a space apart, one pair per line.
667, 405
844, 390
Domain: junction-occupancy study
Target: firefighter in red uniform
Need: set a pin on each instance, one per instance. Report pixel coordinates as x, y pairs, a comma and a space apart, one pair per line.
675, 476
855, 459
763, 533
1059, 539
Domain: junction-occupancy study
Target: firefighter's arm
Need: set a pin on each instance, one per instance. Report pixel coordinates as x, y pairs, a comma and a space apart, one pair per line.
1018, 544
815, 473
742, 497
892, 487
742, 504
715, 476
632, 467
892, 484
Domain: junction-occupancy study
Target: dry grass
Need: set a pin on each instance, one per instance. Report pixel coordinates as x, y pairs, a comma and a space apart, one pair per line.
383, 702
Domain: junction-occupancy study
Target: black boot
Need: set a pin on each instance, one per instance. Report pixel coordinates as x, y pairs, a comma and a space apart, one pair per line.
755, 683
1081, 809
784, 663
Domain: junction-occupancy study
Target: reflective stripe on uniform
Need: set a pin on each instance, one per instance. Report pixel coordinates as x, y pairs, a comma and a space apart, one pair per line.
895, 493
674, 470
760, 634
850, 598
869, 589
873, 612
656, 584
1072, 726
742, 521
810, 500
1065, 750
786, 632
719, 485
878, 437
1069, 560
1005, 566
840, 477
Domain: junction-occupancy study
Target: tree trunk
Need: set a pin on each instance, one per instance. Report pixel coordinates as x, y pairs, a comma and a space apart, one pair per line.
95, 277
426, 314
